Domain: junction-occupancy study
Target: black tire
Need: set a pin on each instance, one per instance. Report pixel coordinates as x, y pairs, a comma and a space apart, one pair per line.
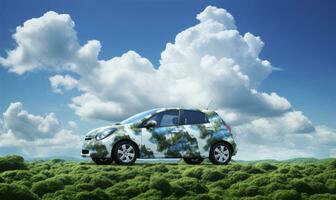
193, 161
125, 153
220, 153
102, 161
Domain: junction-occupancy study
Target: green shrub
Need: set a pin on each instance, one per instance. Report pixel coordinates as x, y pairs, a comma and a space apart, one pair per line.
47, 186
195, 172
270, 188
85, 186
38, 177
279, 178
191, 185
161, 184
322, 197
178, 190
251, 169
16, 175
203, 197
150, 194
332, 164
311, 170
267, 166
97, 194
238, 176
60, 195
326, 176
331, 185
216, 193
283, 170
258, 197
261, 181
286, 195
102, 182
317, 187
294, 172
159, 168
301, 186
118, 190
16, 192
221, 184
234, 167
12, 162
241, 190
212, 175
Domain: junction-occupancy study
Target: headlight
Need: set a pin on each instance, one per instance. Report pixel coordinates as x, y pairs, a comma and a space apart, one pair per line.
105, 133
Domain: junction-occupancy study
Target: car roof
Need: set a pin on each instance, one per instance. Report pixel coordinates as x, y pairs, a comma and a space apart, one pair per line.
178, 108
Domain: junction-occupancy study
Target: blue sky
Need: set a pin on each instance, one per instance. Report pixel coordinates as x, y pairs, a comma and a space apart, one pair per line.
299, 38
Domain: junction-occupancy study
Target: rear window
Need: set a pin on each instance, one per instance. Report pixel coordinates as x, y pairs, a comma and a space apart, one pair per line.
194, 117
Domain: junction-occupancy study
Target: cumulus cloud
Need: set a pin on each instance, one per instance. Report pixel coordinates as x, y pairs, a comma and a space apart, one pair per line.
34, 135
33, 52
72, 124
59, 82
210, 61
25, 125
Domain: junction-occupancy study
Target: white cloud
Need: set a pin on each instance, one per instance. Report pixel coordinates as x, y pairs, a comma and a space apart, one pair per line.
34, 135
27, 126
90, 106
274, 129
208, 61
292, 135
59, 82
326, 136
33, 52
72, 124
211, 13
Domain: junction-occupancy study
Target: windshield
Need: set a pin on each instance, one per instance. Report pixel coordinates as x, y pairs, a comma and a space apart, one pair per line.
138, 117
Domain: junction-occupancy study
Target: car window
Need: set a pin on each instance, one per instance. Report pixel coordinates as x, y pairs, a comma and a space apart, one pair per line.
166, 118
138, 117
194, 117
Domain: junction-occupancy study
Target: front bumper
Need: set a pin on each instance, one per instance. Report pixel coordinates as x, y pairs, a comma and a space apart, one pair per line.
96, 148
88, 153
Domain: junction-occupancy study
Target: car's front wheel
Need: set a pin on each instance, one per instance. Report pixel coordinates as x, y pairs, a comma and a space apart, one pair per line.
125, 153
220, 154
102, 161
193, 161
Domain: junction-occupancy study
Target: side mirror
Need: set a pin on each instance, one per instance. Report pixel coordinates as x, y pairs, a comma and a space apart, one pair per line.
150, 124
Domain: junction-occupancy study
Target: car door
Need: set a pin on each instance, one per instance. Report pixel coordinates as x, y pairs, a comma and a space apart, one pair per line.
157, 141
195, 126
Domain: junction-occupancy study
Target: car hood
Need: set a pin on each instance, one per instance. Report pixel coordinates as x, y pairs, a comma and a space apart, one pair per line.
94, 132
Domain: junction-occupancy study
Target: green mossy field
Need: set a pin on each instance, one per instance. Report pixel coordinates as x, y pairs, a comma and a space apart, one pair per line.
59, 179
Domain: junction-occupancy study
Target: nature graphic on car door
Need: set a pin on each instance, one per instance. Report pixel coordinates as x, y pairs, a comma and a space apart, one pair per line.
157, 142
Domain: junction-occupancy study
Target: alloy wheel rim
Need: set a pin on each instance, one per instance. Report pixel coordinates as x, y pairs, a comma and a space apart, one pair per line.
221, 153
126, 153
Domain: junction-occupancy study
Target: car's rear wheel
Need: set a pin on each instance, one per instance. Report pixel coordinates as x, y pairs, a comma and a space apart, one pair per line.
193, 161
102, 161
125, 153
220, 153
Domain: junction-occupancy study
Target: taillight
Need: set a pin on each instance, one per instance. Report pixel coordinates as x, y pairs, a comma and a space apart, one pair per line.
228, 127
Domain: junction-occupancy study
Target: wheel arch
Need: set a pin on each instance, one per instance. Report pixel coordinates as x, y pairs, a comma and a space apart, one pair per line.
127, 140
223, 141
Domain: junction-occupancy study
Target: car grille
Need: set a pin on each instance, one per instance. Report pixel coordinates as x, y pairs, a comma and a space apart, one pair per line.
85, 151
88, 138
